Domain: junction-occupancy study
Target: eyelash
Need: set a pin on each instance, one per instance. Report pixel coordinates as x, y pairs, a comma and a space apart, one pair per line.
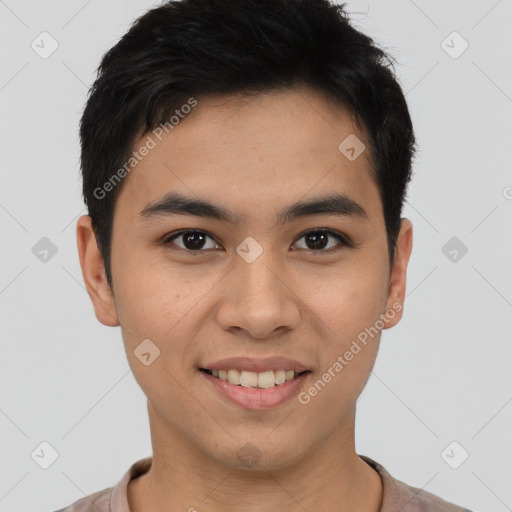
345, 241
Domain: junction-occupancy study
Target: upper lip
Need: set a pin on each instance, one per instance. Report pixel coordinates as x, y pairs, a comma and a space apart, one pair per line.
256, 364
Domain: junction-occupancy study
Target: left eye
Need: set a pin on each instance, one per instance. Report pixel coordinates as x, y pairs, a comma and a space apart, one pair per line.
318, 239
315, 240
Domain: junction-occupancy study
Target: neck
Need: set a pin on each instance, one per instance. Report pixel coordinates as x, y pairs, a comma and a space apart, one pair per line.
329, 477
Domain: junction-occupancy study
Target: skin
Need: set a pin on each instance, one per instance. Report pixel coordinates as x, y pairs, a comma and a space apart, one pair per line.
254, 156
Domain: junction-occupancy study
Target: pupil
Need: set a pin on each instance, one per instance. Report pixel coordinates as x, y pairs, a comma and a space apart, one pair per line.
194, 240
319, 240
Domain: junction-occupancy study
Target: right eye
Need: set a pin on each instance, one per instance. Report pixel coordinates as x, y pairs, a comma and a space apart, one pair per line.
192, 240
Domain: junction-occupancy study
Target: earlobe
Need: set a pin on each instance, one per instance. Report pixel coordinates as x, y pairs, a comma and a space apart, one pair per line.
93, 272
398, 278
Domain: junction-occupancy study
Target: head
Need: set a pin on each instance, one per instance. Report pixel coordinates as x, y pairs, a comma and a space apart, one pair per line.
236, 111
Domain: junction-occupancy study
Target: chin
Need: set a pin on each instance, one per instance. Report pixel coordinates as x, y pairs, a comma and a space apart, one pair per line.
258, 455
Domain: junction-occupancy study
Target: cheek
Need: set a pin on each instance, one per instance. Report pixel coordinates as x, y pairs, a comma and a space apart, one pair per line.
152, 297
347, 307
155, 308
332, 395
346, 311
166, 306
347, 301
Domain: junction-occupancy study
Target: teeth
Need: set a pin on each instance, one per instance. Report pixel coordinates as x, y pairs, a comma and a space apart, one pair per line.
262, 380
266, 380
280, 376
234, 377
249, 379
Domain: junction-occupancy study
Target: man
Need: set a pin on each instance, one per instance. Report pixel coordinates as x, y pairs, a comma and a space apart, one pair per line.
244, 166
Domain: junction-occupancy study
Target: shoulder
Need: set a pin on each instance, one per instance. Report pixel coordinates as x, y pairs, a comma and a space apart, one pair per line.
111, 498
419, 500
397, 495
96, 502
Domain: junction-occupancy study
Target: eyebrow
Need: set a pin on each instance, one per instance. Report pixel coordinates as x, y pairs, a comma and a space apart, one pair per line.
175, 203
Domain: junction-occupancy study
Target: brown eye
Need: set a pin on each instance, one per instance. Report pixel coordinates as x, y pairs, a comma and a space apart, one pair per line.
192, 240
319, 240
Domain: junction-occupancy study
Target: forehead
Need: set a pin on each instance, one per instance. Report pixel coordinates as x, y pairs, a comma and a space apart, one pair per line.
246, 151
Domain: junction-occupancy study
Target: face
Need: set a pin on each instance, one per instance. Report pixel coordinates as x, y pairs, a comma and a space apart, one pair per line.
200, 285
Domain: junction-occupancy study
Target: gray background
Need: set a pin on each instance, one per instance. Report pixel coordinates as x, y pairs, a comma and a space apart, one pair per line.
442, 375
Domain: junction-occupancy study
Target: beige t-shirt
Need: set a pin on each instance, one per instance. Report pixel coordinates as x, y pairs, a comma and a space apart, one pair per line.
396, 495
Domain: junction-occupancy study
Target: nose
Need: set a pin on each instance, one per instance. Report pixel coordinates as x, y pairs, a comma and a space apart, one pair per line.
258, 299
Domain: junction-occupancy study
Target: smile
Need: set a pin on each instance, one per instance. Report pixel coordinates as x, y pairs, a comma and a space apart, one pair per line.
255, 390
248, 379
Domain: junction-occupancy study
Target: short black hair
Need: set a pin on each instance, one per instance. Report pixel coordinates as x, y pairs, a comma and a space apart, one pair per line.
199, 48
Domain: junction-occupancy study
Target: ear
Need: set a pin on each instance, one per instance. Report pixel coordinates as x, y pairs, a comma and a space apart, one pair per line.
93, 272
398, 276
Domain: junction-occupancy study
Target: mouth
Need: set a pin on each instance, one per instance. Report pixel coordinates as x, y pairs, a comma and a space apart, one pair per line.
256, 391
259, 380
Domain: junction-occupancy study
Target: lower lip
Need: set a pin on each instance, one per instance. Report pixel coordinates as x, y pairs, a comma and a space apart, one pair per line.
256, 398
